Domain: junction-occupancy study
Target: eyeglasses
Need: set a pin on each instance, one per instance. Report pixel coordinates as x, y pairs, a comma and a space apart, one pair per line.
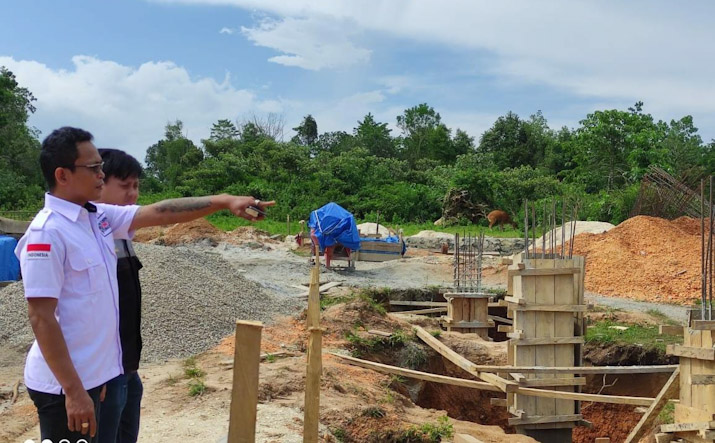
95, 167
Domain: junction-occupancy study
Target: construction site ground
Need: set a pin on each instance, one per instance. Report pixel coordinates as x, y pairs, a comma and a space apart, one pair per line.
359, 404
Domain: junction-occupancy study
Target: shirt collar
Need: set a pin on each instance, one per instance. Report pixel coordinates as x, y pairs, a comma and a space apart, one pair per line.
66, 208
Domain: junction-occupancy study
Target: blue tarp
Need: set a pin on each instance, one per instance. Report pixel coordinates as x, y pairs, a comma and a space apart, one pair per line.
9, 265
333, 224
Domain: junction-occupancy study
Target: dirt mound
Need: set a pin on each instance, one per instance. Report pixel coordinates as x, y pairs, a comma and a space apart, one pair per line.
248, 234
150, 234
644, 258
199, 230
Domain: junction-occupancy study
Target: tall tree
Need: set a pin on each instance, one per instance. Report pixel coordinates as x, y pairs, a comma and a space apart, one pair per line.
20, 178
307, 131
170, 158
375, 137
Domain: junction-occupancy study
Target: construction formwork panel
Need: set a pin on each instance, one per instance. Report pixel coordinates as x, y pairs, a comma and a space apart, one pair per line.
546, 304
697, 381
468, 313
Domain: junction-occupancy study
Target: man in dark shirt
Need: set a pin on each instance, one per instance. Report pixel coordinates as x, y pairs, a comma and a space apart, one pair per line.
119, 414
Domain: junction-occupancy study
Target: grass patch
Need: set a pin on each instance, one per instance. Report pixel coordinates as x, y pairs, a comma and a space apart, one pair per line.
437, 333
374, 412
647, 336
664, 319
196, 387
376, 298
425, 433
271, 358
666, 415
326, 302
340, 434
227, 222
369, 345
412, 356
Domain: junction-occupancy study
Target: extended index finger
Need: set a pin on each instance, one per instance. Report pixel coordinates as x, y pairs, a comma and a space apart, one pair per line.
263, 204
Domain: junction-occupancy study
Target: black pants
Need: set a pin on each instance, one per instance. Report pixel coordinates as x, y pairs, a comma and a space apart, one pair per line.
53, 416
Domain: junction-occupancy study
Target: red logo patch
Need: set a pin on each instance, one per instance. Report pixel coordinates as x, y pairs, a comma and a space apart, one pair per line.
39, 247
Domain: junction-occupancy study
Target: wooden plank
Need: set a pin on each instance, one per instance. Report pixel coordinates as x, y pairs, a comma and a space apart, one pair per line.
418, 375
501, 319
703, 325
469, 324
469, 295
702, 379
431, 304
532, 420
524, 293
548, 341
505, 328
602, 440
688, 414
670, 330
244, 394
498, 402
598, 398
423, 311
380, 333
552, 308
669, 391
685, 372
691, 352
529, 272
324, 287
548, 382
645, 369
686, 427
515, 300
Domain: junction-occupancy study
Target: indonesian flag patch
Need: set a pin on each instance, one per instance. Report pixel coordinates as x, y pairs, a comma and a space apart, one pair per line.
38, 251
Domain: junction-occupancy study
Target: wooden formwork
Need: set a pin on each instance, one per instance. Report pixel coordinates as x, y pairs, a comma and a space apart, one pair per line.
695, 412
546, 304
468, 312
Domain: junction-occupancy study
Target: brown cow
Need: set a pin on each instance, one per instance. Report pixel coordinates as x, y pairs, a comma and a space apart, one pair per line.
500, 217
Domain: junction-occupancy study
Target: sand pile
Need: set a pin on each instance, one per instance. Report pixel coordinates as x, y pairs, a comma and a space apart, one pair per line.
644, 258
248, 234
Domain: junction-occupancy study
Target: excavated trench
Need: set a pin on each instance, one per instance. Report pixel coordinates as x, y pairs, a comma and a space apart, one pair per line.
609, 420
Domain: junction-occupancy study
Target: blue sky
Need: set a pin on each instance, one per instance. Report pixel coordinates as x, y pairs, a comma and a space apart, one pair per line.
124, 69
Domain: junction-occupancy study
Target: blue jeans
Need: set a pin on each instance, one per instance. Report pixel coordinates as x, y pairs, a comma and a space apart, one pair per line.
119, 416
53, 416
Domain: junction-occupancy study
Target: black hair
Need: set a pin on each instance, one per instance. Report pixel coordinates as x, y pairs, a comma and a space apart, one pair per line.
120, 164
59, 150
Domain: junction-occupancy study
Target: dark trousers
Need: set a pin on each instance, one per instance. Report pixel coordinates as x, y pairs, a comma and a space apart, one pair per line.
53, 416
119, 417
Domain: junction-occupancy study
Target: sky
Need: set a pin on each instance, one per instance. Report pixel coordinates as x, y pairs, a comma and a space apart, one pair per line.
124, 69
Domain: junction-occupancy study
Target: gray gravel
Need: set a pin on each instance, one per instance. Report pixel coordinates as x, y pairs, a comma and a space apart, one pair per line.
191, 299
675, 312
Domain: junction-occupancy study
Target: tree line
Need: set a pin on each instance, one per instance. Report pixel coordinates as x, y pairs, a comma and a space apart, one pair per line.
405, 175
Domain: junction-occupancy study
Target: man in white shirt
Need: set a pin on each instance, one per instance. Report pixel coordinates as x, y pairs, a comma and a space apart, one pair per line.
69, 266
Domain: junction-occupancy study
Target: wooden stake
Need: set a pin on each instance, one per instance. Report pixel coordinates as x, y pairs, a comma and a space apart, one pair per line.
311, 419
244, 395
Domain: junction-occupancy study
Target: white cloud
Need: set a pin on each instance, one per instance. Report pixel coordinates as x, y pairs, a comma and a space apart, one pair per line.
659, 52
226, 30
315, 43
127, 107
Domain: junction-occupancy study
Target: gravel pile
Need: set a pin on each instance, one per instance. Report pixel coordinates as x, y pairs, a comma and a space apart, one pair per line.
191, 299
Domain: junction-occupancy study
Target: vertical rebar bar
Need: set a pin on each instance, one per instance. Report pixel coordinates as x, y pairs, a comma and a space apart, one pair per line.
543, 233
533, 230
526, 229
456, 260
710, 288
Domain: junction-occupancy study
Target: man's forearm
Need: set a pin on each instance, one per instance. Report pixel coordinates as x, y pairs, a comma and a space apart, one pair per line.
178, 210
54, 350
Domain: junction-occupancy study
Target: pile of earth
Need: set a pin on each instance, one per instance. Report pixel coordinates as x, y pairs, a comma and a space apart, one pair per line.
644, 258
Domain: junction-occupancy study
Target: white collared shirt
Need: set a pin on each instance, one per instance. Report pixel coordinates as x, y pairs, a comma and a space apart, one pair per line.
68, 253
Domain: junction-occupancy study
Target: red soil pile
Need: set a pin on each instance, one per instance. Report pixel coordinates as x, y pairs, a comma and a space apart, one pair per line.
192, 232
644, 258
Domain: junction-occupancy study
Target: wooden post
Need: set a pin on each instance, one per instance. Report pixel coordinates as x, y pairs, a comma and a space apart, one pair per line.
288, 223
244, 395
311, 418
